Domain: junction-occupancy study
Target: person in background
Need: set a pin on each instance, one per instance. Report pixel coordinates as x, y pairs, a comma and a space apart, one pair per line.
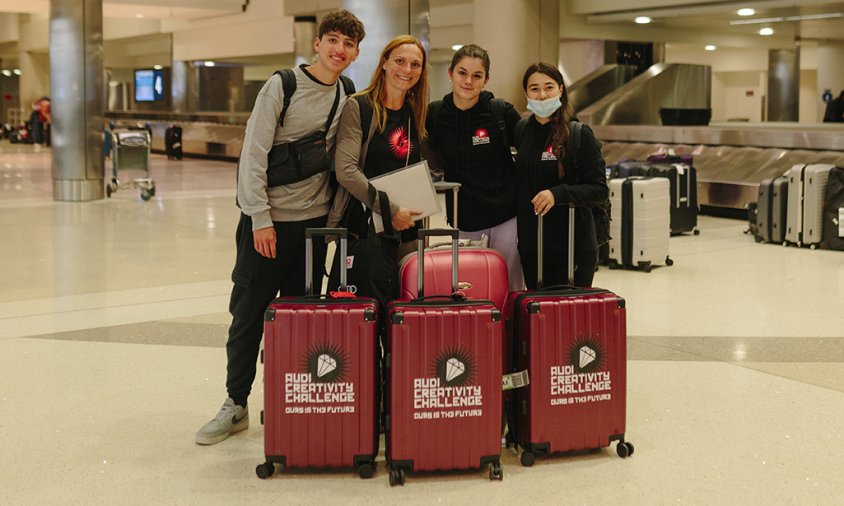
470, 134
835, 110
270, 236
549, 180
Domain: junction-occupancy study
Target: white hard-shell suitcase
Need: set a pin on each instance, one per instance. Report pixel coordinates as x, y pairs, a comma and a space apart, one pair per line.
814, 193
641, 222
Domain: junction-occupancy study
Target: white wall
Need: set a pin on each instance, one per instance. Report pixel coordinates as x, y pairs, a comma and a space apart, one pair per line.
579, 58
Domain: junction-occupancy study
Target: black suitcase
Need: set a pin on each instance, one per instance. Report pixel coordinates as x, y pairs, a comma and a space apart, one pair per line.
833, 213
173, 142
623, 170
682, 178
772, 206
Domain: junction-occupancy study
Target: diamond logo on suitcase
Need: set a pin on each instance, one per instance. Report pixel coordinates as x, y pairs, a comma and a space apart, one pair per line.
587, 356
454, 368
326, 365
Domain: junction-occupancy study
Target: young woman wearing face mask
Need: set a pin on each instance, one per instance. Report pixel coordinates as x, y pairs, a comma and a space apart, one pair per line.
550, 179
471, 148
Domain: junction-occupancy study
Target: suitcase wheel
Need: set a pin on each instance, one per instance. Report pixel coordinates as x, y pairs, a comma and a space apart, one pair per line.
396, 477
624, 450
527, 459
366, 471
669, 262
696, 232
265, 470
495, 471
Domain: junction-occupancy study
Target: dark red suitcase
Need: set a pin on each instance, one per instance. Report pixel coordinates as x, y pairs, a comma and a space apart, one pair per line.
482, 274
321, 379
444, 368
573, 343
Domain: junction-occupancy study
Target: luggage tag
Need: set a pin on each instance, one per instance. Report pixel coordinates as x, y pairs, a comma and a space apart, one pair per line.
515, 380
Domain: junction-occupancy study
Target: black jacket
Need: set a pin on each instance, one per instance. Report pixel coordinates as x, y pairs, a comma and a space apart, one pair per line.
583, 185
472, 150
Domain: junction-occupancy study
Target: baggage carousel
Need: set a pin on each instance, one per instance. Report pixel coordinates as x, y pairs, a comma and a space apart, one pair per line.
731, 158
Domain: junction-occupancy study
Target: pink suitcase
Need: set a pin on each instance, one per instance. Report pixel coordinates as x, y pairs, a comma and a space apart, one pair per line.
444, 367
573, 343
482, 274
320, 380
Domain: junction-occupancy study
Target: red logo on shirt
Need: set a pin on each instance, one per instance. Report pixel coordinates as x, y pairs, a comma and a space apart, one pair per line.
548, 154
399, 143
481, 137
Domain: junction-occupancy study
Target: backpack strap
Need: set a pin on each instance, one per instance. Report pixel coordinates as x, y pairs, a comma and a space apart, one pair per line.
497, 106
434, 109
348, 86
365, 117
519, 130
288, 86
575, 131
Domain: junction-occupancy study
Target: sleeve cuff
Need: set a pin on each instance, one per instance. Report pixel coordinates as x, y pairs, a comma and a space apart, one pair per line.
261, 220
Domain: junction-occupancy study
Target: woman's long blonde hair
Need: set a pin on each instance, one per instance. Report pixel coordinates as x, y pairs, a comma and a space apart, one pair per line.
416, 96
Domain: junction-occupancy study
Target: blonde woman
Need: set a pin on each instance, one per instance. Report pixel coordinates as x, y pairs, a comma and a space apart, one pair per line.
381, 130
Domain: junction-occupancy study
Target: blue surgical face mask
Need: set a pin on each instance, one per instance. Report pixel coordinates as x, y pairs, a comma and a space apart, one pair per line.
544, 108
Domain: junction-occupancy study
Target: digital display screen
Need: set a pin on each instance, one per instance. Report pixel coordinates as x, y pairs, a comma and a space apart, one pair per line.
149, 85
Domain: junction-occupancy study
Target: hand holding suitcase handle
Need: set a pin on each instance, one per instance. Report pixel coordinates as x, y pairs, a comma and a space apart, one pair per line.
420, 251
310, 233
570, 259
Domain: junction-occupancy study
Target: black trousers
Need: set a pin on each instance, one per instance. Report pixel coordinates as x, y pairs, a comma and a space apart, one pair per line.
554, 268
257, 281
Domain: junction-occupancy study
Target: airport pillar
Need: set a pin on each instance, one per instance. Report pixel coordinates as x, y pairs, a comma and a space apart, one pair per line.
830, 72
516, 33
384, 20
304, 33
77, 93
784, 84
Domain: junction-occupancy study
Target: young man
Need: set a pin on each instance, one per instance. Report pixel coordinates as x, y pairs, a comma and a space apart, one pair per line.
271, 233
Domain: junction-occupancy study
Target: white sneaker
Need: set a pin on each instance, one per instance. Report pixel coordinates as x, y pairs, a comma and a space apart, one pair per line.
231, 418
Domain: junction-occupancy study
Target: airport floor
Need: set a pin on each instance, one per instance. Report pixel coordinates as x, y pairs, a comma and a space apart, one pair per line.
113, 321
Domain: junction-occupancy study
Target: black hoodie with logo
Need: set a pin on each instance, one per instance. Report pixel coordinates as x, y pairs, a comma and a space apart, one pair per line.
472, 150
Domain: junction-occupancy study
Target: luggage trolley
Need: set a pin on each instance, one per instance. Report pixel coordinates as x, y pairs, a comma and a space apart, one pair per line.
130, 151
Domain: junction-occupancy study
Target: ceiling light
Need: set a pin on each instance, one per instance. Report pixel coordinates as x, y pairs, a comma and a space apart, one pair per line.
746, 12
456, 47
806, 17
642, 20
211, 64
766, 31
7, 72
139, 15
157, 67
710, 47
17, 72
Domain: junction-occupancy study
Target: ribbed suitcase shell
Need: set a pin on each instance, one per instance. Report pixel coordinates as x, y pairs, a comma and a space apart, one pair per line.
572, 402
794, 216
338, 431
682, 180
482, 274
814, 194
772, 209
423, 337
649, 222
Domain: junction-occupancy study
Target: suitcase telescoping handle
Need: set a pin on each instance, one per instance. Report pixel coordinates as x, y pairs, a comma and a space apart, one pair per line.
420, 251
310, 233
570, 259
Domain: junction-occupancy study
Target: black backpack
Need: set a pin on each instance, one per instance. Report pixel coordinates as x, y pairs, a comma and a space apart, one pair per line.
288, 85
600, 213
